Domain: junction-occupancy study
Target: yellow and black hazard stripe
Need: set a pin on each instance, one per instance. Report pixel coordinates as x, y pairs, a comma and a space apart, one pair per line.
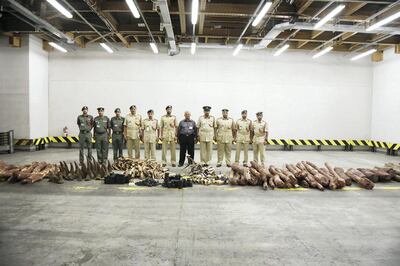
281, 142
68, 139
396, 147
23, 142
381, 144
355, 142
40, 141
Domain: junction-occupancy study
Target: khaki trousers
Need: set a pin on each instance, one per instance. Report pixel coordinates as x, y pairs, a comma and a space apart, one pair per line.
245, 152
150, 150
259, 149
172, 148
224, 149
133, 144
205, 152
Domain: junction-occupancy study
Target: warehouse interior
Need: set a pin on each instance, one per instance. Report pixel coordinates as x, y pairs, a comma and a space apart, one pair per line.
324, 75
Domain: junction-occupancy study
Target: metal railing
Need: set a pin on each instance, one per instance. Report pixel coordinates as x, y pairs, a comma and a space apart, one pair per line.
7, 141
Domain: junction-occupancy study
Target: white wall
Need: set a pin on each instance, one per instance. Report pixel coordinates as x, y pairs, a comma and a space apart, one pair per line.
386, 98
38, 89
14, 84
301, 97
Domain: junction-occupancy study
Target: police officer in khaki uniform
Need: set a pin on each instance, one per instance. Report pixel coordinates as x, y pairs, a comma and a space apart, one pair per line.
150, 135
225, 132
242, 137
132, 132
101, 127
169, 132
117, 126
259, 137
206, 134
85, 124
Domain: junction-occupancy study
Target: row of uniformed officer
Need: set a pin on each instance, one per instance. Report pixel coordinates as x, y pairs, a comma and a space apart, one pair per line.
133, 129
225, 132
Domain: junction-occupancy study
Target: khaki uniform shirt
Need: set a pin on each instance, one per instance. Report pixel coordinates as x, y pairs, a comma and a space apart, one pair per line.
260, 130
150, 128
224, 130
243, 130
85, 123
101, 124
168, 125
133, 124
206, 128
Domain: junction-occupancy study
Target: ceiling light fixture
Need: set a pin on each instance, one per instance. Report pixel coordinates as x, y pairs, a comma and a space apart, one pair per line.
237, 49
330, 15
322, 52
363, 54
384, 21
195, 11
58, 47
60, 8
262, 13
133, 8
154, 47
281, 50
106, 47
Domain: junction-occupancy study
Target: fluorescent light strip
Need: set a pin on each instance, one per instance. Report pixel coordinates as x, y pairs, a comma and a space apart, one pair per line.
331, 14
133, 8
262, 13
154, 47
322, 52
237, 49
281, 50
384, 21
195, 11
363, 54
58, 47
60, 8
106, 47
193, 48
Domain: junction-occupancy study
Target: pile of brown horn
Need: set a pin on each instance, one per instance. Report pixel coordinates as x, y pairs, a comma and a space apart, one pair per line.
26, 174
135, 168
309, 175
91, 170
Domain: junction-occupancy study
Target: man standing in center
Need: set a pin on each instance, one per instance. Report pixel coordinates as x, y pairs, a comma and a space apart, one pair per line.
243, 129
205, 134
150, 135
225, 133
169, 132
132, 132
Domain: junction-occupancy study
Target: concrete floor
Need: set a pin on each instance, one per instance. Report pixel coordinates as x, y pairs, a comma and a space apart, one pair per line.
88, 223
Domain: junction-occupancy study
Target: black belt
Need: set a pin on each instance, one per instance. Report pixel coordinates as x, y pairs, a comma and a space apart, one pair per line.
117, 133
101, 133
84, 132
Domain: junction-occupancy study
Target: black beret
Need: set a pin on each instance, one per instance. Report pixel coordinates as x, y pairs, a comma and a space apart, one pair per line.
150, 111
132, 106
259, 113
100, 109
168, 106
85, 108
206, 108
225, 110
117, 110
244, 112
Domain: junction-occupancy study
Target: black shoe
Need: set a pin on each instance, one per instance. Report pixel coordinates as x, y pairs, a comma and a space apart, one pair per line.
180, 165
219, 165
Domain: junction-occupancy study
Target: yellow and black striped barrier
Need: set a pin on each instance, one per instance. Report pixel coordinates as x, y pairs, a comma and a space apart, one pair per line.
23, 142
392, 148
